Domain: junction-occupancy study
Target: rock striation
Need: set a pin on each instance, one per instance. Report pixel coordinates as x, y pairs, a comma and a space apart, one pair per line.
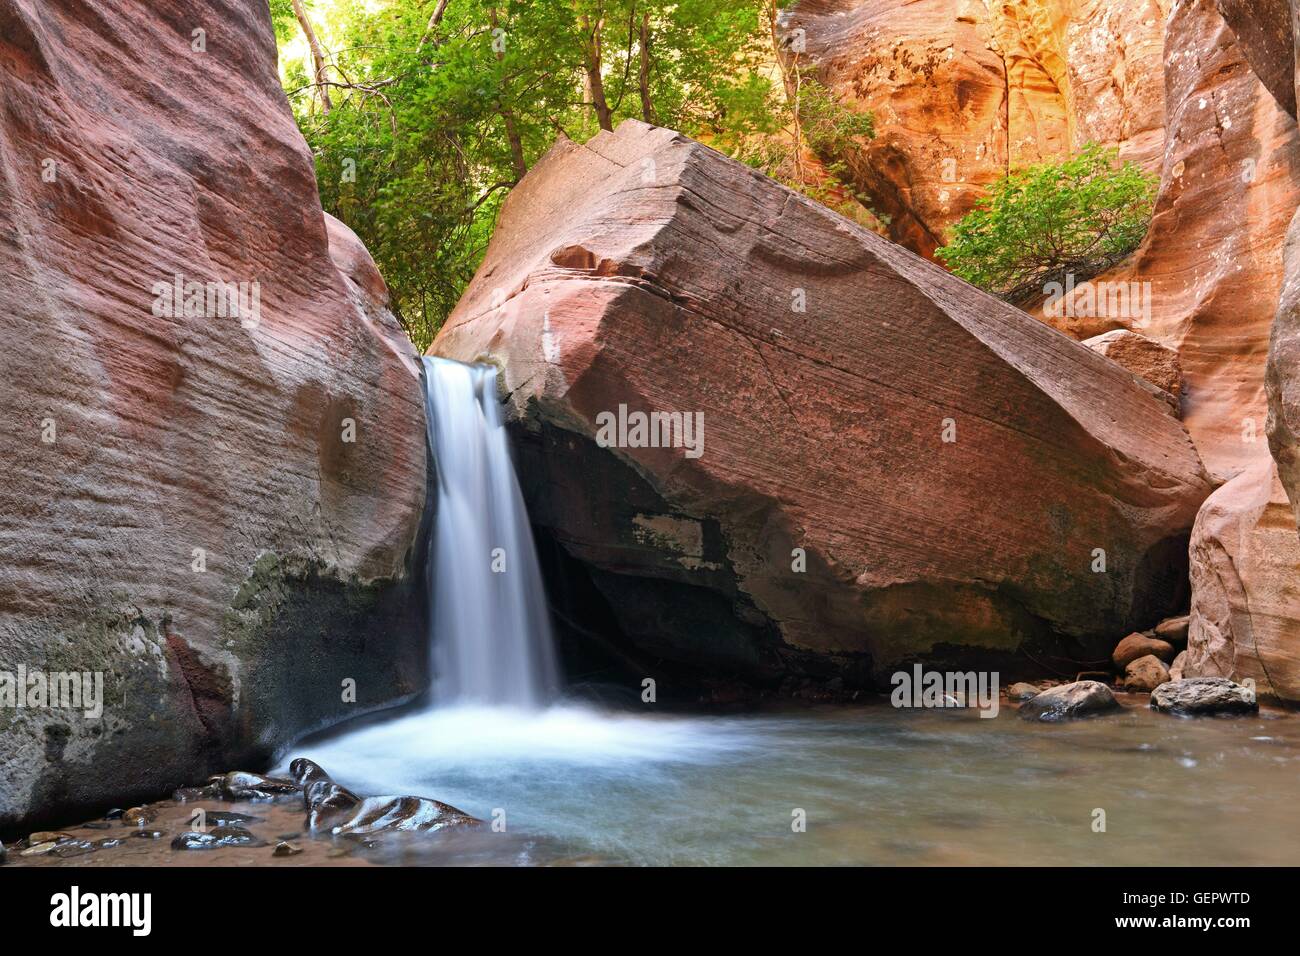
214, 458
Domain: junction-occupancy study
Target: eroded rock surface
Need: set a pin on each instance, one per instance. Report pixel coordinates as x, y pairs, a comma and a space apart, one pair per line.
963, 91
335, 809
825, 522
1245, 562
213, 512
1209, 272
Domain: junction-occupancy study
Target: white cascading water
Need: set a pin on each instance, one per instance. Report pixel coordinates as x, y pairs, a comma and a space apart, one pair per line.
492, 642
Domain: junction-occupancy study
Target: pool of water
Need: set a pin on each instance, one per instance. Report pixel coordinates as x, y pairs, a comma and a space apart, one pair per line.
874, 785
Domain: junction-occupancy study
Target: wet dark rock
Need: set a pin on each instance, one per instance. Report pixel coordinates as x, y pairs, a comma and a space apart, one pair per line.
241, 785
114, 814
109, 842
228, 818
145, 834
286, 849
1081, 699
1203, 697
380, 814
216, 838
191, 794
339, 810
74, 848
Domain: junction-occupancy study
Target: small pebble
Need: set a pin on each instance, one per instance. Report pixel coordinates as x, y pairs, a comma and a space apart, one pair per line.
286, 849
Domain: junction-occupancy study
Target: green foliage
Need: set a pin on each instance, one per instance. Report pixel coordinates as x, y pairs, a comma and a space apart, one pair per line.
430, 125
1080, 216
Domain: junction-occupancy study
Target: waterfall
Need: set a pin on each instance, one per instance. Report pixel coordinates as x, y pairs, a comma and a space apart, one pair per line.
491, 632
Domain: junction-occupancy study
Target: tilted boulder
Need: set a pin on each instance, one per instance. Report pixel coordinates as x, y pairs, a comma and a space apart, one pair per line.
892, 464
213, 512
1245, 562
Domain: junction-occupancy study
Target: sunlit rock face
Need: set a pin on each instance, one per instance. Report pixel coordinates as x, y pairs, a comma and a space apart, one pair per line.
892, 466
963, 91
1208, 275
213, 513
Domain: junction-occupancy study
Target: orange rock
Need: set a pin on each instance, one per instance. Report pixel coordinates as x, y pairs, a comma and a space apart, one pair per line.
1150, 361
1211, 265
962, 92
827, 516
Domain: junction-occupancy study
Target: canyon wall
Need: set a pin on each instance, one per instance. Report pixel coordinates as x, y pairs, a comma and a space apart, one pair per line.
214, 515
894, 466
963, 91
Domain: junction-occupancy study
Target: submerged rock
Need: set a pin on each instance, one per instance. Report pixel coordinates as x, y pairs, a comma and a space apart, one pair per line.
850, 409
241, 785
1203, 697
1145, 674
216, 838
1084, 698
1140, 645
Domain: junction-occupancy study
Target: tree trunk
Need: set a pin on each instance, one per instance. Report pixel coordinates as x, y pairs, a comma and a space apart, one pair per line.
647, 108
595, 85
317, 56
508, 116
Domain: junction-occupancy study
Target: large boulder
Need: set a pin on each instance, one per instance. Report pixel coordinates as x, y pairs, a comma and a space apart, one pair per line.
1245, 562
961, 92
214, 514
887, 463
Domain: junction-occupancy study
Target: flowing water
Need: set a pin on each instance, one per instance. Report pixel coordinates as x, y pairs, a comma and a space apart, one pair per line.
878, 785
874, 784
491, 631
